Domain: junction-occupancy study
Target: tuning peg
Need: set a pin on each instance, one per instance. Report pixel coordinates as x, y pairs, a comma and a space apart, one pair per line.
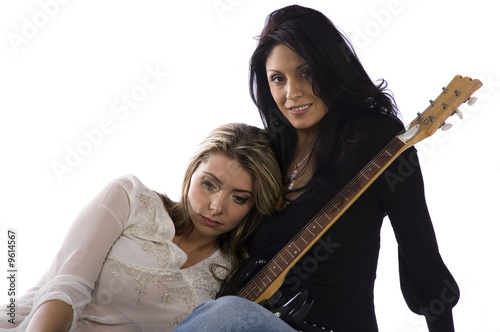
446, 126
459, 113
471, 101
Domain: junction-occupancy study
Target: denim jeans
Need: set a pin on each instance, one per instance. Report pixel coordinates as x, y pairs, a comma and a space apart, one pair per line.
232, 313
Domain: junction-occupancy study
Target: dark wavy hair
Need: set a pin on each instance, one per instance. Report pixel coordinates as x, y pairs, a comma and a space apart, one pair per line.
338, 78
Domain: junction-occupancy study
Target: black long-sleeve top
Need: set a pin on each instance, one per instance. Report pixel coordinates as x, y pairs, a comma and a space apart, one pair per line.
339, 270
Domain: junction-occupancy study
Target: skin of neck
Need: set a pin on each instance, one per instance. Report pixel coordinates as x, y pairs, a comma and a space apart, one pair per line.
305, 141
192, 242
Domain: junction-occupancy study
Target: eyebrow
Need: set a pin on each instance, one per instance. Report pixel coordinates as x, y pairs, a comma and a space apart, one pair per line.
219, 181
305, 64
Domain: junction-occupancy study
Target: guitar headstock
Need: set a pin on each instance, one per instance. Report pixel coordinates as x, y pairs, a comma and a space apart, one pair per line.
458, 91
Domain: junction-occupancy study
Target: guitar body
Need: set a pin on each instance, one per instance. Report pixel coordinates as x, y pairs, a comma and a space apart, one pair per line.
291, 310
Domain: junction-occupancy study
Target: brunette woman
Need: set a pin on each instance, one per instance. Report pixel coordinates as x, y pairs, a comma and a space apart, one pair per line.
327, 120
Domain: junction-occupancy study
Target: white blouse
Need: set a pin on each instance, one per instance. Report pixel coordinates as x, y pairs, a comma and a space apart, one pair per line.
119, 269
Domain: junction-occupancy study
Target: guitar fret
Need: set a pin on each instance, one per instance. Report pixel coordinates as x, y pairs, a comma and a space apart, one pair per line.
329, 218
374, 163
264, 284
364, 176
283, 259
297, 249
256, 292
388, 153
291, 255
249, 295
310, 232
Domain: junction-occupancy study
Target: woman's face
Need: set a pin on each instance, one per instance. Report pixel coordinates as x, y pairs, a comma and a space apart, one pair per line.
220, 196
289, 79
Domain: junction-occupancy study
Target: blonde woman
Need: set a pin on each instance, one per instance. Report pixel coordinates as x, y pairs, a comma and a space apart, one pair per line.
135, 260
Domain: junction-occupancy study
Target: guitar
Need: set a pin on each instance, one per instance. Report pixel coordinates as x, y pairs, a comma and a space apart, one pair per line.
266, 282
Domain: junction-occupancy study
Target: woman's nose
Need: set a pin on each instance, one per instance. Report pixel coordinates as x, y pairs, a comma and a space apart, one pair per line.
217, 204
294, 89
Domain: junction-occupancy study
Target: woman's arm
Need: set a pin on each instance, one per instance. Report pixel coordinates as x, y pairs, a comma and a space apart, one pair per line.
427, 285
52, 316
68, 284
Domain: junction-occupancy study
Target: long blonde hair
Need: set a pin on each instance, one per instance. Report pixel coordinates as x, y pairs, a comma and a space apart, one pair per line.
250, 147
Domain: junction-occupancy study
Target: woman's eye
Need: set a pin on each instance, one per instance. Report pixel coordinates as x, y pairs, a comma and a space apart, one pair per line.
277, 79
306, 73
240, 200
207, 184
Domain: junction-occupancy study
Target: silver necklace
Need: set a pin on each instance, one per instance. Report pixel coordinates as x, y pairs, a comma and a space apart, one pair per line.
294, 175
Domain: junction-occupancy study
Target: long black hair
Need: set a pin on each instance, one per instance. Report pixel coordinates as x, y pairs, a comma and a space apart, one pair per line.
338, 78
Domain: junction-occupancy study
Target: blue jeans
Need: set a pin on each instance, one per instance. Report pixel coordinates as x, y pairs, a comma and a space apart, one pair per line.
232, 313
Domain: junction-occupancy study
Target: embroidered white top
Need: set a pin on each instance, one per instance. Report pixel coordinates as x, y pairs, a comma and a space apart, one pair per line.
119, 268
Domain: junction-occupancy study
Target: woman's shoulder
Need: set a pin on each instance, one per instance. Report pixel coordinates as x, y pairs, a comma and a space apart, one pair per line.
128, 182
144, 204
126, 190
365, 135
372, 129
376, 123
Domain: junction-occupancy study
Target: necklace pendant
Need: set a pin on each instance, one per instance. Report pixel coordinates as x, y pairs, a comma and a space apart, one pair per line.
294, 175
292, 178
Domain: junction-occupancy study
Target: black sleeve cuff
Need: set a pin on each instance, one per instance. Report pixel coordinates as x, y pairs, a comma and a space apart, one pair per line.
442, 322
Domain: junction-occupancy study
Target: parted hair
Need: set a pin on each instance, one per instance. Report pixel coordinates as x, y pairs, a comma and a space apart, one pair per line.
250, 147
337, 77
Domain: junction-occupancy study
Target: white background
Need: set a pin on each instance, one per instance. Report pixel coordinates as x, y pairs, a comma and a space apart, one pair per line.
68, 66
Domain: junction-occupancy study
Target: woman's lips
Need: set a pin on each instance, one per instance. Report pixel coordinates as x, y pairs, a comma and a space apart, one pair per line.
299, 110
210, 222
